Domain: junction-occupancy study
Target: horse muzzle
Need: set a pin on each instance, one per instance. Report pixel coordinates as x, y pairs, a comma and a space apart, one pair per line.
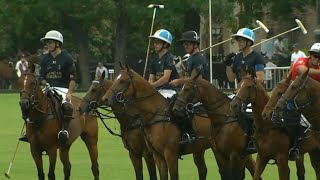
25, 108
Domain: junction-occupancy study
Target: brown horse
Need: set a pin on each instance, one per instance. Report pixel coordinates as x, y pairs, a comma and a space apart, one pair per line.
228, 136
43, 125
161, 132
132, 136
272, 142
8, 76
303, 92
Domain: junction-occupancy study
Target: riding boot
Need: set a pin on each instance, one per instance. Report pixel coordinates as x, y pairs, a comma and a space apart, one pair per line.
67, 111
251, 145
23, 138
188, 136
294, 152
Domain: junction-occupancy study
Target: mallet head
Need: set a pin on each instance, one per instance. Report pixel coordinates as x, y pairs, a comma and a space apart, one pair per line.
7, 175
156, 6
303, 29
264, 27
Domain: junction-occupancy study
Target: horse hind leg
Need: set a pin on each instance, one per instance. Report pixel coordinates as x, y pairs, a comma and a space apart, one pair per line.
64, 157
198, 159
315, 162
91, 144
300, 168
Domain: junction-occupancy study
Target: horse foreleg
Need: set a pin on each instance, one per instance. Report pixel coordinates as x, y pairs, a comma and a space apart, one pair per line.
162, 166
237, 166
91, 143
198, 159
64, 157
222, 164
315, 162
283, 168
137, 165
300, 168
261, 163
37, 157
52, 163
151, 165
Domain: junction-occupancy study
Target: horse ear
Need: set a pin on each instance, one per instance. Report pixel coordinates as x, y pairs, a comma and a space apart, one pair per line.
31, 68
127, 66
121, 65
196, 77
252, 72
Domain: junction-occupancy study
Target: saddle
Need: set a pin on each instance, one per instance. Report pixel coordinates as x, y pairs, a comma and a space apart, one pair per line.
55, 100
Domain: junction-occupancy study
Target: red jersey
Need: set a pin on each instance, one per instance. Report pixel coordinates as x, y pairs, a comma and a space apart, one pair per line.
305, 62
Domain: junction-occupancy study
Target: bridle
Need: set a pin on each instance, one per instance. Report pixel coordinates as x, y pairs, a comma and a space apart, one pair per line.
244, 101
187, 103
120, 96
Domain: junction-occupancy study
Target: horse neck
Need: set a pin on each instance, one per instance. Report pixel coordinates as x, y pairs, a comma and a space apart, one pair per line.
258, 104
151, 105
217, 103
312, 111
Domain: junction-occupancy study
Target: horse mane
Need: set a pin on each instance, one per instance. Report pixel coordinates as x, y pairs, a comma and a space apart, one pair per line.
207, 85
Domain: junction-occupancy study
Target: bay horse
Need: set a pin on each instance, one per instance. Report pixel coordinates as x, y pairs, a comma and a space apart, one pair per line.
227, 134
8, 76
132, 136
161, 133
43, 125
303, 92
272, 142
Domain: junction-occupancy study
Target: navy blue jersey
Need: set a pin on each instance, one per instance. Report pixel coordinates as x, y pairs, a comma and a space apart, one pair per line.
158, 66
241, 64
56, 71
198, 63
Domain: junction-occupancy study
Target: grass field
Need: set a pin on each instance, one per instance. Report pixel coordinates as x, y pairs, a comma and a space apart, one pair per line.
113, 158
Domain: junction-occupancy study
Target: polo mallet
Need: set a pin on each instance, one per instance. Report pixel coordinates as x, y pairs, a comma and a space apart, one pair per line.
7, 174
300, 26
261, 25
154, 6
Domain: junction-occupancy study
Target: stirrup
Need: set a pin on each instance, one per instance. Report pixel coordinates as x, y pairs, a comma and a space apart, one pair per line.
294, 154
187, 139
65, 134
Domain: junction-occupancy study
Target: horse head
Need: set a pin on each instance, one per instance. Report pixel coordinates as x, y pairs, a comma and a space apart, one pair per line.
30, 91
276, 94
296, 96
245, 94
93, 98
188, 96
129, 87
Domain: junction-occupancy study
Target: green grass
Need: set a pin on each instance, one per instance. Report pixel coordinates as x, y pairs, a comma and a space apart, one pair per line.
113, 158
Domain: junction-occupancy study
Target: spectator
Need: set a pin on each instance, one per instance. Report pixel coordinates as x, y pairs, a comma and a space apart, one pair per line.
296, 53
100, 69
269, 73
279, 52
22, 65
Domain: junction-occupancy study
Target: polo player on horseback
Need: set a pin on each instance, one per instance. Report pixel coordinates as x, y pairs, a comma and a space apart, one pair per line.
238, 66
57, 70
299, 67
162, 69
195, 63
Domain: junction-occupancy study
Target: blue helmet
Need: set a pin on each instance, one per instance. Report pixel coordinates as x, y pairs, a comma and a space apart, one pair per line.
245, 33
162, 35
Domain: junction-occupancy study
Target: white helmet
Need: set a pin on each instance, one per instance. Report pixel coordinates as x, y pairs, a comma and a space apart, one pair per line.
54, 35
315, 48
